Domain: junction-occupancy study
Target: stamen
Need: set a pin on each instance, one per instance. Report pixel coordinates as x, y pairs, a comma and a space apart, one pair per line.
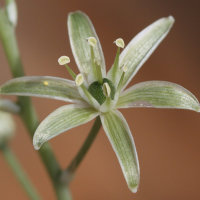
119, 42
92, 41
124, 68
95, 63
79, 79
106, 90
63, 60
99, 73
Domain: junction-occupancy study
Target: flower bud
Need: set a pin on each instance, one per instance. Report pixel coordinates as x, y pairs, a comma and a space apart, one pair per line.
11, 10
9, 106
7, 127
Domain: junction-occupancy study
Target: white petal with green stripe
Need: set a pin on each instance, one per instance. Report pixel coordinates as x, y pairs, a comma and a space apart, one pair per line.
122, 142
43, 86
80, 28
140, 48
158, 94
61, 120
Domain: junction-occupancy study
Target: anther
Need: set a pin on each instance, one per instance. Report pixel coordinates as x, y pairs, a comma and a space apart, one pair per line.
119, 42
79, 79
106, 90
63, 60
124, 67
92, 41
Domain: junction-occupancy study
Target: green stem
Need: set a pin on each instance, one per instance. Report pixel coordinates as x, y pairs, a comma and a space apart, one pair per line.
28, 114
82, 152
19, 173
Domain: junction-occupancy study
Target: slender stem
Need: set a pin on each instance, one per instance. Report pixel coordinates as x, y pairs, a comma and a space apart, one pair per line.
116, 62
82, 152
28, 114
73, 75
19, 173
96, 66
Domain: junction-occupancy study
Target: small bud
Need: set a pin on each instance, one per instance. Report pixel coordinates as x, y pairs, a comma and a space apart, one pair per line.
79, 79
9, 106
63, 60
106, 90
7, 127
124, 67
92, 41
119, 42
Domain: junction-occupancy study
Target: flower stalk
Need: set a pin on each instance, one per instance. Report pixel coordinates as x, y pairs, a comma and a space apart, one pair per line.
28, 114
71, 169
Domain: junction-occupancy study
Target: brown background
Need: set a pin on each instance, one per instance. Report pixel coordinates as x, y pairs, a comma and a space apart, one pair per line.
167, 141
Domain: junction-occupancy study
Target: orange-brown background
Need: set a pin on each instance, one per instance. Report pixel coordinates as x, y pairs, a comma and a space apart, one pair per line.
167, 141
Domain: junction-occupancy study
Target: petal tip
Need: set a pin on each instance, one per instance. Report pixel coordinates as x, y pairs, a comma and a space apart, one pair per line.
171, 18
134, 187
134, 190
36, 143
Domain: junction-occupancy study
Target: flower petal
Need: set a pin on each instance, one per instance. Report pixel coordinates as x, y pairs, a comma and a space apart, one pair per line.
122, 142
80, 28
43, 86
158, 94
140, 48
61, 120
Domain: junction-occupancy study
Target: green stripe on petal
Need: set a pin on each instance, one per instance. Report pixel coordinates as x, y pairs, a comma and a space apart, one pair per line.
80, 28
158, 94
61, 120
140, 48
122, 142
43, 86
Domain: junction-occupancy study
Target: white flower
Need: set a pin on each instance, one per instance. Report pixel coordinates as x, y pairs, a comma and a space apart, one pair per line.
97, 93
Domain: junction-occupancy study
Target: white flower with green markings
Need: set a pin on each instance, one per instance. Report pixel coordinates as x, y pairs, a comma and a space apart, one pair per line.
95, 93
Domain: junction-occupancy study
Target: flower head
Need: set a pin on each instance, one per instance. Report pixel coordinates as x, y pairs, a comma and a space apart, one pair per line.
94, 92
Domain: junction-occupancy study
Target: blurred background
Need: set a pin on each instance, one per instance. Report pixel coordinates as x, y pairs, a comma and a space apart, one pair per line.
167, 141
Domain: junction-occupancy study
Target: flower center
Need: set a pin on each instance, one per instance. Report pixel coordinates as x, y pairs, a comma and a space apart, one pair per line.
96, 90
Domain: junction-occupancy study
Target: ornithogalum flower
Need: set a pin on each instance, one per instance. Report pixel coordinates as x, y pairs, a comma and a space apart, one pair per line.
94, 92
